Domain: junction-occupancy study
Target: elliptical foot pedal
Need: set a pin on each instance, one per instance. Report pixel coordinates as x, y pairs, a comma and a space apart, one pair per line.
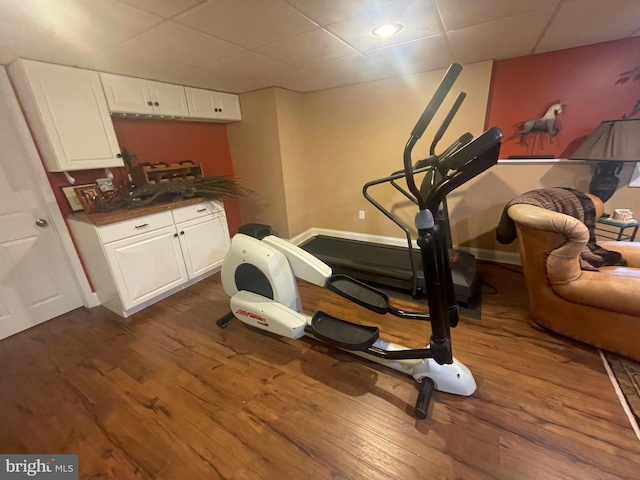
359, 293
342, 334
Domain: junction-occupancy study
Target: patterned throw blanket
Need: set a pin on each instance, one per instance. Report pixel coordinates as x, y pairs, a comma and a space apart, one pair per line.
570, 202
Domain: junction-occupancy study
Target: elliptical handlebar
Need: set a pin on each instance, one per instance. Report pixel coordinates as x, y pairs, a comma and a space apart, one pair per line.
447, 121
423, 122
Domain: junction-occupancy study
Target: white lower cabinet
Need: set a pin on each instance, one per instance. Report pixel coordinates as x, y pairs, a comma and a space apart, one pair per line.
146, 265
204, 243
134, 263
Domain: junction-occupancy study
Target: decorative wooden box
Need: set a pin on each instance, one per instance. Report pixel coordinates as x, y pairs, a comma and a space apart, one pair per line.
165, 172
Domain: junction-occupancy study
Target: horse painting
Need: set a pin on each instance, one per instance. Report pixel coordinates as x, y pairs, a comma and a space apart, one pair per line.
547, 123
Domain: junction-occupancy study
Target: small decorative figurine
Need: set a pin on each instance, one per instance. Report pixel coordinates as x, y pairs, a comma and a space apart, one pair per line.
547, 123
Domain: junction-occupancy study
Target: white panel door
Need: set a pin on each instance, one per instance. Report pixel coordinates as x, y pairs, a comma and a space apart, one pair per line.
36, 282
168, 99
146, 265
126, 94
73, 112
204, 243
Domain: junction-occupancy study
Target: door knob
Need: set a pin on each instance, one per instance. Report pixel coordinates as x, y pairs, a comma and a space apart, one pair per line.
41, 222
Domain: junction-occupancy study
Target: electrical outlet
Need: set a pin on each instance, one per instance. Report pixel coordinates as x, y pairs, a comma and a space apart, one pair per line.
361, 214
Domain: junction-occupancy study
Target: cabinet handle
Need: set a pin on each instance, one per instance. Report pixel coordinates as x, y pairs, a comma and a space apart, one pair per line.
142, 226
150, 103
182, 232
156, 104
201, 210
119, 155
175, 235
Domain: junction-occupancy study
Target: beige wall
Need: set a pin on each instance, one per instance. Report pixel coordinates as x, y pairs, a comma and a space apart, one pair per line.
324, 146
255, 149
293, 130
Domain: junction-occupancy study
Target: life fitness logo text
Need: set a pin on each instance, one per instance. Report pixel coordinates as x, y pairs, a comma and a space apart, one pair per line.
256, 317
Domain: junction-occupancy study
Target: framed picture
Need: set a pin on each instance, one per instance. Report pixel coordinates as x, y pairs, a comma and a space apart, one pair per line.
87, 196
72, 198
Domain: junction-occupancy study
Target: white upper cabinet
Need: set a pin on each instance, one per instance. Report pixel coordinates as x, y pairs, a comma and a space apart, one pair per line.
68, 115
135, 95
213, 105
127, 95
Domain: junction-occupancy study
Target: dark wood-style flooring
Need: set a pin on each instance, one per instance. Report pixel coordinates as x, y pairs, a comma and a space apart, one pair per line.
165, 394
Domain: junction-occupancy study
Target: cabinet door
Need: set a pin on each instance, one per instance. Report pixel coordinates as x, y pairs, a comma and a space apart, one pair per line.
204, 243
214, 105
229, 107
126, 94
144, 266
168, 99
202, 103
68, 114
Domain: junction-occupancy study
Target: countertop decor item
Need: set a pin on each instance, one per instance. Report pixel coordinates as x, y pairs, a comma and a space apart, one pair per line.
209, 188
90, 197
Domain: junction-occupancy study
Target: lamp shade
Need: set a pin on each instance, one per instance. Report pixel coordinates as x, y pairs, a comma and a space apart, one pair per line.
612, 140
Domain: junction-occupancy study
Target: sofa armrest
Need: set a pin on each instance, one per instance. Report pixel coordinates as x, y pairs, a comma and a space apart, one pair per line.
630, 251
563, 264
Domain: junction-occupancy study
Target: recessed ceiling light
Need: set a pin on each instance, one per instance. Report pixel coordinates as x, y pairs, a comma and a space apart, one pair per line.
386, 29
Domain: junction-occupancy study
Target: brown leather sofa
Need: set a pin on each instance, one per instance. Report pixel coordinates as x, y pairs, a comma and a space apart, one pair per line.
599, 308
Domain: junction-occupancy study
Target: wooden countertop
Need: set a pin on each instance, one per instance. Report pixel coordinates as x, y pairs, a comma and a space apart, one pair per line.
105, 218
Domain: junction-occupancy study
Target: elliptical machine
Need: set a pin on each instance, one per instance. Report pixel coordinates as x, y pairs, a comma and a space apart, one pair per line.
259, 276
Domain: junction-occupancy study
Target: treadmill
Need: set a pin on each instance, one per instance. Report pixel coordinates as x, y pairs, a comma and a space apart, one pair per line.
400, 267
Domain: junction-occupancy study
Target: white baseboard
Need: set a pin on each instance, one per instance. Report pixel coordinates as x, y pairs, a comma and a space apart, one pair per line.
497, 256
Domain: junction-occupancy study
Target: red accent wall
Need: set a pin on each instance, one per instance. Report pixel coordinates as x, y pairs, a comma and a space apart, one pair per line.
583, 78
165, 141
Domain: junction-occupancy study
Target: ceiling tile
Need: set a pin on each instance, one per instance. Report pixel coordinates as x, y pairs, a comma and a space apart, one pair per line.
316, 45
249, 23
7, 55
164, 8
73, 29
203, 77
418, 17
583, 22
457, 14
243, 72
91, 27
300, 80
412, 57
128, 62
330, 11
246, 64
509, 37
342, 65
349, 70
171, 42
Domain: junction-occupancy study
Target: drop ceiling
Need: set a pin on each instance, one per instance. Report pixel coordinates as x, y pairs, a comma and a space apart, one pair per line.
303, 45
